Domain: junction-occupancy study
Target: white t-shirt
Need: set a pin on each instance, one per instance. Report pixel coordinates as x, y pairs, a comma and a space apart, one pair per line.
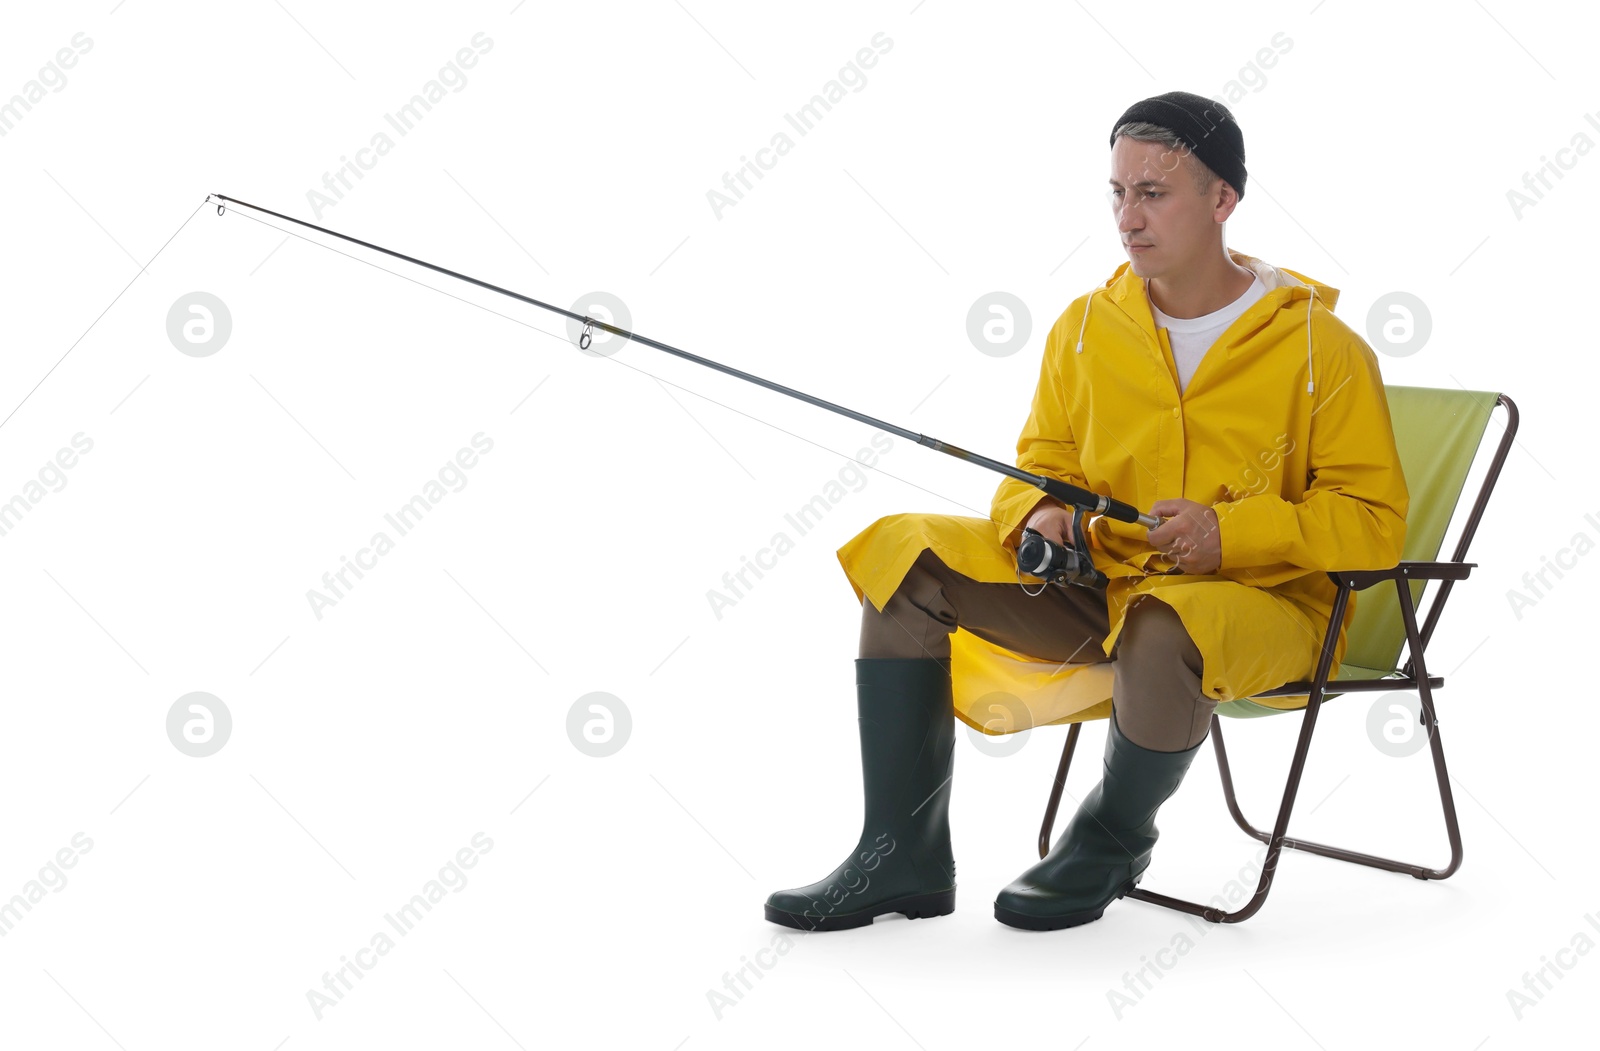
1191, 337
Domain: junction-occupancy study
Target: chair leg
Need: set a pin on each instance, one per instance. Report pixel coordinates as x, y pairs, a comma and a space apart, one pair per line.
1452, 827
1276, 841
1056, 788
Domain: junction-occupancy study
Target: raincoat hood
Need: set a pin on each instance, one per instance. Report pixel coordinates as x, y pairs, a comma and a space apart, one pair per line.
1262, 311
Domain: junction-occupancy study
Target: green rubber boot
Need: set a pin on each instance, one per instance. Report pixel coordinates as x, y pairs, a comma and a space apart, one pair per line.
1106, 848
902, 861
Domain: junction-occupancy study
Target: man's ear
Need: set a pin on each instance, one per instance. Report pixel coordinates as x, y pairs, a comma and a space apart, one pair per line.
1226, 198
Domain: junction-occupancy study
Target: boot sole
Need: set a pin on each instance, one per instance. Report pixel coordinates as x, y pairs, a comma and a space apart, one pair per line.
1027, 922
914, 907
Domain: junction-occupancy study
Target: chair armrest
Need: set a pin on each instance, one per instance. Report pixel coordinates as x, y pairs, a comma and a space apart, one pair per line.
1360, 579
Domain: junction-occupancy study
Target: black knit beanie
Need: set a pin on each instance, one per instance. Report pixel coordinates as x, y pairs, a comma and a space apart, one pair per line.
1205, 125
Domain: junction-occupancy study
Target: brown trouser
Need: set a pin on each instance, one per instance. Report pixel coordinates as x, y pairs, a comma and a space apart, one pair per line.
1156, 687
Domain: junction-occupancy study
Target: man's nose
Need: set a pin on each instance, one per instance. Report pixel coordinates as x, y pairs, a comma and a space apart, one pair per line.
1128, 219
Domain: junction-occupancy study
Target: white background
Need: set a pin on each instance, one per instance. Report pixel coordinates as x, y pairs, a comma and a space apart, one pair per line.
371, 744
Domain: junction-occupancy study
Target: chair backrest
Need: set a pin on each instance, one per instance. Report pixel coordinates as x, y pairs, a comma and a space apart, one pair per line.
1437, 432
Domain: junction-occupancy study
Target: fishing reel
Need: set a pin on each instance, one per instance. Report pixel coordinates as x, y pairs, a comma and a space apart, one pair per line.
1060, 564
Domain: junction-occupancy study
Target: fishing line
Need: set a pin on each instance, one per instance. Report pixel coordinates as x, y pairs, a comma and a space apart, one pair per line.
103, 313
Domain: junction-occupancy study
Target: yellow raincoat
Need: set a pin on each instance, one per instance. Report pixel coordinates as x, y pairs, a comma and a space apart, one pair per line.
1283, 430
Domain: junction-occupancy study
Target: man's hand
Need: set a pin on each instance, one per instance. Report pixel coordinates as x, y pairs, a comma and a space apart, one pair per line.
1051, 521
1189, 536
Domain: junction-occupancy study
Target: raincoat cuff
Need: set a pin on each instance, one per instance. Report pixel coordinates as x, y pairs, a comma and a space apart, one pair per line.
1248, 530
1010, 521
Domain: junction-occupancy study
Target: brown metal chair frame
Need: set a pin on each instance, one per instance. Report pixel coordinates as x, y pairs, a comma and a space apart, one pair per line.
1413, 677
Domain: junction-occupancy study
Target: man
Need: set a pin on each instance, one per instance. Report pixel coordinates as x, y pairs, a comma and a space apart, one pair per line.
1198, 383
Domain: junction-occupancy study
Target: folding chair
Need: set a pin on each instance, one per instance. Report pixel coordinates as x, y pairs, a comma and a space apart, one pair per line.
1438, 433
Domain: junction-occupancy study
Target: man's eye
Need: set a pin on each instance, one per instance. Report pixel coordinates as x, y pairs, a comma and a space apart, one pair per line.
1153, 194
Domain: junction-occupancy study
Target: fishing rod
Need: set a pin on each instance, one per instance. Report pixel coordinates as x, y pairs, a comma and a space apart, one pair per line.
1037, 556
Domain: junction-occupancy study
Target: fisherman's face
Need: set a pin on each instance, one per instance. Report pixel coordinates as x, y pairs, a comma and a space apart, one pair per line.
1155, 203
